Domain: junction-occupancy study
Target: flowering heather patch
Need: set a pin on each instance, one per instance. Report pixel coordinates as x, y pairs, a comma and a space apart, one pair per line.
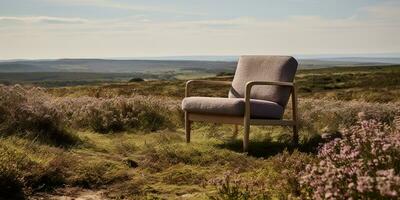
364, 164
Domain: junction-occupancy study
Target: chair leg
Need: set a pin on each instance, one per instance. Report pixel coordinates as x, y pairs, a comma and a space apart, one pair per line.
187, 127
235, 131
295, 136
246, 137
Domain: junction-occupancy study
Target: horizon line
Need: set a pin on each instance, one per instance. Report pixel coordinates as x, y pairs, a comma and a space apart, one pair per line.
206, 57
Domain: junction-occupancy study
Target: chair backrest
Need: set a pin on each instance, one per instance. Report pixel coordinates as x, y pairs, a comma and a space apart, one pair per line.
264, 68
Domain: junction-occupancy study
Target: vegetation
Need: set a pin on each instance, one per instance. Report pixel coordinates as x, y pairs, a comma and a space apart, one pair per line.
370, 84
365, 163
136, 80
127, 140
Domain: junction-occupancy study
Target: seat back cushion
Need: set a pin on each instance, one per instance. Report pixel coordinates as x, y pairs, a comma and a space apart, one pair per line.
264, 68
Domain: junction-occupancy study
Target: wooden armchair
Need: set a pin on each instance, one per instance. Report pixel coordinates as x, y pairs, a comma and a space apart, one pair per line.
259, 93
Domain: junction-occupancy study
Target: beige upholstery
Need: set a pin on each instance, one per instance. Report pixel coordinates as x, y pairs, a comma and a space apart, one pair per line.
232, 106
264, 68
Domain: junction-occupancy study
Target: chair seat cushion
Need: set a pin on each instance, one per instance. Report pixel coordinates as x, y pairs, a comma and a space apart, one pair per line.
232, 106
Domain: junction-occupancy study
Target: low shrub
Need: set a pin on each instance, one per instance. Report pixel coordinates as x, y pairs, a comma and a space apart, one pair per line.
27, 167
32, 112
363, 164
13, 164
29, 112
332, 116
136, 80
105, 115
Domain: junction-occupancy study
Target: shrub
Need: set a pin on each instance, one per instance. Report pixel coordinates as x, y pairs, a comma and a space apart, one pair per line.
136, 80
12, 166
120, 113
29, 112
27, 167
331, 116
32, 112
364, 164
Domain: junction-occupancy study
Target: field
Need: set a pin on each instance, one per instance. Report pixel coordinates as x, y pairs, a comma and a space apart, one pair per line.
125, 140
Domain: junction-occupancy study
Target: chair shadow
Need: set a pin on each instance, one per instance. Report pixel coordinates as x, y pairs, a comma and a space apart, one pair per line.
268, 148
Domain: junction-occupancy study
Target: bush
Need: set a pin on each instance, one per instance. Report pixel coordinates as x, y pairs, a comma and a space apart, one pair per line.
29, 112
105, 115
12, 166
225, 74
332, 116
364, 164
32, 112
136, 80
27, 167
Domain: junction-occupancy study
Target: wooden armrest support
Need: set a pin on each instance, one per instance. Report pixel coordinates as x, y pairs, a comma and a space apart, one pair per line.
249, 86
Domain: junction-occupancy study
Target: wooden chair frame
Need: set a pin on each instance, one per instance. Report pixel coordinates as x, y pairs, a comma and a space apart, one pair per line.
246, 121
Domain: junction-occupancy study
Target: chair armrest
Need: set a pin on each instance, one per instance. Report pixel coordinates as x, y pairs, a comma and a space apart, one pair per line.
190, 83
250, 84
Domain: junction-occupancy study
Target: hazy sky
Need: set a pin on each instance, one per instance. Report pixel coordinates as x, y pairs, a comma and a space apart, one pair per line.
136, 28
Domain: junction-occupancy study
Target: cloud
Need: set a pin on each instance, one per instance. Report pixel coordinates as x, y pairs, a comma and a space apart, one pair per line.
388, 10
43, 19
372, 29
124, 6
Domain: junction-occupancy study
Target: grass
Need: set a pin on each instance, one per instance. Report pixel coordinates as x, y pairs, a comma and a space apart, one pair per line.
371, 84
149, 159
167, 166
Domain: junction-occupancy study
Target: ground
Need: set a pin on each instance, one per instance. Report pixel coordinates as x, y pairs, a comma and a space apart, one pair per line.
120, 148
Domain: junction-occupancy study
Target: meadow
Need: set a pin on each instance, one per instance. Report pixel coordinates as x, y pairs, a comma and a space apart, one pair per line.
125, 140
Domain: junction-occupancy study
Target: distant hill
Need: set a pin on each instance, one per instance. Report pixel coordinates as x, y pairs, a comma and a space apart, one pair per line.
159, 66
390, 60
112, 66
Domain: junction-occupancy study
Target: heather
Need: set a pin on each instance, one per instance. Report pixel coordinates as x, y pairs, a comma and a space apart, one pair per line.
126, 141
29, 112
363, 164
105, 115
333, 116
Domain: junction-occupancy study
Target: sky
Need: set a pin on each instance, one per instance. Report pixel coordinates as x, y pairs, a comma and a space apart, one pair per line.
47, 29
